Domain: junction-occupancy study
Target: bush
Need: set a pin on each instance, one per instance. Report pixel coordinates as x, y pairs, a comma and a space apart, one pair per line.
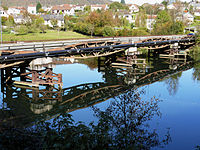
21, 30
108, 31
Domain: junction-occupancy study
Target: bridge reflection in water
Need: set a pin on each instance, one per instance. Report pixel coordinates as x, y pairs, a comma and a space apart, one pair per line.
23, 106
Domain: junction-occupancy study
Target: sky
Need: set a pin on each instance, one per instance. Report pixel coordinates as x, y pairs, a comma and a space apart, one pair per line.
140, 2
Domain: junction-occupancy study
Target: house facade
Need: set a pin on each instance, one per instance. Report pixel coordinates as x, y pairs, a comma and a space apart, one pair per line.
3, 13
65, 9
15, 10
32, 9
150, 21
99, 7
133, 8
48, 19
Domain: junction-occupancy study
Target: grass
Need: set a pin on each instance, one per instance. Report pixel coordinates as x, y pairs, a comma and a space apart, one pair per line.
49, 35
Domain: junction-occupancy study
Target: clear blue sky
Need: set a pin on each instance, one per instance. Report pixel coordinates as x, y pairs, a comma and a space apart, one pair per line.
140, 2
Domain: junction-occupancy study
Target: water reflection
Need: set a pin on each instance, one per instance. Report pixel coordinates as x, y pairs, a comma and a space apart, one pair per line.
127, 119
123, 125
24, 106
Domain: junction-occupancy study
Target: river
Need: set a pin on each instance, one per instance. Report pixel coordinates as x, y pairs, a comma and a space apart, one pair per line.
169, 94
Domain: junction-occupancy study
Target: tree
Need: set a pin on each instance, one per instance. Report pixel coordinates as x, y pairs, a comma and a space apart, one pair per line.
141, 19
165, 3
163, 23
21, 30
108, 31
117, 6
123, 2
38, 7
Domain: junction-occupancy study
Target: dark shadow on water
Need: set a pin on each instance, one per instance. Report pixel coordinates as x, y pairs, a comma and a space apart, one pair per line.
123, 125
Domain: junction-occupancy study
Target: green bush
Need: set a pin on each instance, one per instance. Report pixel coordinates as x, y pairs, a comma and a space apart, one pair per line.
108, 31
21, 30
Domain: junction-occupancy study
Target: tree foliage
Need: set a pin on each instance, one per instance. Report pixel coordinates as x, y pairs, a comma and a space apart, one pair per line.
118, 6
165, 25
38, 7
123, 2
141, 19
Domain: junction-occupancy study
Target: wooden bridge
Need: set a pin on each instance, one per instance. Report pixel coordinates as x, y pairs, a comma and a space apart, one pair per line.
92, 49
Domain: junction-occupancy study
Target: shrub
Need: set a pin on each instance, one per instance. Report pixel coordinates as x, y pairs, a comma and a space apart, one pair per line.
108, 31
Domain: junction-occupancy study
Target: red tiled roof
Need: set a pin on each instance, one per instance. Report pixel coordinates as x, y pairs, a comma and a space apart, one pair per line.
62, 7
103, 6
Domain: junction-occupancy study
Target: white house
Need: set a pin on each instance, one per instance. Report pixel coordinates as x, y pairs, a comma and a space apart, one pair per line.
46, 9
171, 6
32, 9
3, 13
65, 9
99, 7
151, 19
19, 19
197, 12
79, 7
188, 17
47, 19
15, 10
133, 8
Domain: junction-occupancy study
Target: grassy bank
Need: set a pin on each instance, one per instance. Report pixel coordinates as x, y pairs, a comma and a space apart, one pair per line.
49, 35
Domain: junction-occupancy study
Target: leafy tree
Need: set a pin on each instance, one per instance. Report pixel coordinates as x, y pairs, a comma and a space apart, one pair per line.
3, 20
165, 3
4, 7
41, 11
117, 6
22, 30
39, 23
9, 23
108, 31
163, 23
177, 27
38, 7
54, 23
123, 2
87, 9
68, 24
141, 19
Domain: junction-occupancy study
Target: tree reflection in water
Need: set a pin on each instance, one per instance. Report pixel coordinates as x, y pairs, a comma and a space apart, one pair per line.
173, 83
123, 125
126, 119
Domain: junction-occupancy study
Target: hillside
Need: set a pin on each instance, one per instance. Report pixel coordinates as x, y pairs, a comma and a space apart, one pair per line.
51, 2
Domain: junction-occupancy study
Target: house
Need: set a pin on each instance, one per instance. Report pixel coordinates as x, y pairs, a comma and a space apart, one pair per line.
65, 9
48, 19
197, 12
15, 10
99, 7
161, 6
19, 19
188, 17
151, 19
125, 14
171, 7
195, 5
133, 8
3, 13
46, 9
32, 9
79, 7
